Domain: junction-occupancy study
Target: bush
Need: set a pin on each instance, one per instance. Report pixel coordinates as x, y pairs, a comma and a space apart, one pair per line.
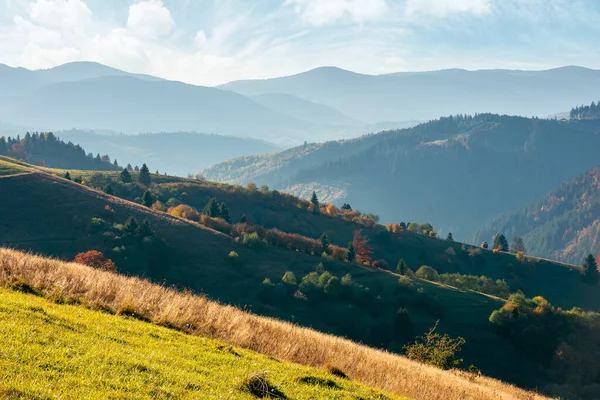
185, 211
428, 273
252, 240
289, 278
436, 349
381, 264
406, 283
95, 259
233, 255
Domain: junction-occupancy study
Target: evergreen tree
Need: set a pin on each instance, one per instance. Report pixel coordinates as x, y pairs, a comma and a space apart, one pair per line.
212, 208
68, 175
125, 176
108, 189
129, 168
224, 212
351, 252
401, 268
450, 238
131, 225
325, 242
518, 245
147, 199
315, 202
3, 149
144, 177
144, 230
243, 219
136, 169
590, 270
347, 207
500, 242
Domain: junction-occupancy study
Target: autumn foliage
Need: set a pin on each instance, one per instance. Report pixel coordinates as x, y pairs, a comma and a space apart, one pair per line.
95, 259
364, 252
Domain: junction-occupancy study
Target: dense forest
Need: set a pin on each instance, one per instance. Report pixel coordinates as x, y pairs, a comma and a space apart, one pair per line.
564, 225
586, 112
46, 149
455, 172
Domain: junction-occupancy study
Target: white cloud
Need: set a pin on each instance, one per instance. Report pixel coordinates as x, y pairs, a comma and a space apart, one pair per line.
322, 12
150, 19
60, 13
443, 8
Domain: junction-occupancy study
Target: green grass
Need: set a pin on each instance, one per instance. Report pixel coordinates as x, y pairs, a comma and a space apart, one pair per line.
10, 169
68, 352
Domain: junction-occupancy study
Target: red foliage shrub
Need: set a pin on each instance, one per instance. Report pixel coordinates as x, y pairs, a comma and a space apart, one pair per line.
338, 253
95, 259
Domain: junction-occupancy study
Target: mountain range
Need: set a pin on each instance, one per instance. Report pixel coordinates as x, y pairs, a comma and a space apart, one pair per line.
455, 172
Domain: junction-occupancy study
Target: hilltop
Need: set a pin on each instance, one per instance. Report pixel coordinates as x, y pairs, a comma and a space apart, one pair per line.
454, 172
564, 225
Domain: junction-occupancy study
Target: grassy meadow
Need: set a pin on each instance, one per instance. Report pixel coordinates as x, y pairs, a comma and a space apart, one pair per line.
65, 341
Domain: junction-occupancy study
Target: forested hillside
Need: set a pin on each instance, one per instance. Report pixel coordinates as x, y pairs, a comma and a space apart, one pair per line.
46, 149
454, 172
288, 258
564, 225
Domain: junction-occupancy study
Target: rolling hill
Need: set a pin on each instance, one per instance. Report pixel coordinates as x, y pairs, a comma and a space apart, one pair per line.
564, 225
426, 95
200, 341
454, 173
57, 217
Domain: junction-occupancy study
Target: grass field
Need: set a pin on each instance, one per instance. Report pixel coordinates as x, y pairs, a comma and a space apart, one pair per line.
71, 352
68, 352
10, 169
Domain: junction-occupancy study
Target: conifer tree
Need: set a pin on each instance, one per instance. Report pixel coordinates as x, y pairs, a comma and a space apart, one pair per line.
450, 238
518, 245
68, 175
224, 212
108, 189
147, 199
351, 253
212, 208
315, 202
401, 268
125, 176
500, 242
325, 242
590, 270
243, 219
144, 177
145, 230
131, 225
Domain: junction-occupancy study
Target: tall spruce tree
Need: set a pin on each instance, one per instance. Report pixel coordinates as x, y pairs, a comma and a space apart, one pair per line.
125, 176
68, 175
147, 199
315, 202
450, 238
144, 177
224, 212
401, 268
590, 270
325, 242
351, 253
212, 208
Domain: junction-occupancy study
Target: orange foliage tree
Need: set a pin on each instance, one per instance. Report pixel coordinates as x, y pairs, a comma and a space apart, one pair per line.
95, 259
364, 252
185, 211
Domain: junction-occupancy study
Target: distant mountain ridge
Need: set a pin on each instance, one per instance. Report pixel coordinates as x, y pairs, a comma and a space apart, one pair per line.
426, 95
455, 172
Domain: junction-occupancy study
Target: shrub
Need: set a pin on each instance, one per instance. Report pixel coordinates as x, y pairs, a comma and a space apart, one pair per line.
252, 240
289, 278
406, 283
428, 273
233, 255
257, 385
436, 349
381, 264
520, 256
95, 259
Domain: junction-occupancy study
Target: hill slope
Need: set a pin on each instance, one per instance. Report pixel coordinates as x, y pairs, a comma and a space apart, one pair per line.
131, 297
57, 217
110, 348
564, 225
426, 95
455, 172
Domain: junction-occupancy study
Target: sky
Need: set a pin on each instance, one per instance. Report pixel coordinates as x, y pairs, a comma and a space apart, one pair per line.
210, 42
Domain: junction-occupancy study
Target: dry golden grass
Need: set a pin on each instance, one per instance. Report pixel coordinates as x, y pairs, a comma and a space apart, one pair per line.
198, 316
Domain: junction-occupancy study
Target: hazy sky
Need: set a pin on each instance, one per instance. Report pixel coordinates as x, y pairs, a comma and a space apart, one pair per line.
213, 41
